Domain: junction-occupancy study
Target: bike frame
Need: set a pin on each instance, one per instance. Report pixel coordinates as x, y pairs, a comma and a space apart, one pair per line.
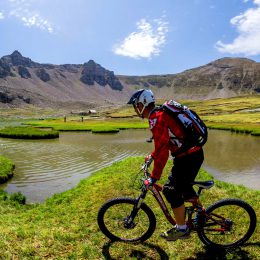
156, 190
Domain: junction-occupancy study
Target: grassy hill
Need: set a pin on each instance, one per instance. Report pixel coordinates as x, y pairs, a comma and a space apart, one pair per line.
65, 226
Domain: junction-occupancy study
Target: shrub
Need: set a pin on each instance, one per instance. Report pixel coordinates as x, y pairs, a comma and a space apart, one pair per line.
18, 197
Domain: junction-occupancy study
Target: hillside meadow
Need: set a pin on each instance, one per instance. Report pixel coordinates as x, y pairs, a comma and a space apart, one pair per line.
65, 226
239, 114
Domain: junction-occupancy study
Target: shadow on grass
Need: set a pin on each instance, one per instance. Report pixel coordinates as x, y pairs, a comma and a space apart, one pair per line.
252, 244
145, 251
219, 254
123, 250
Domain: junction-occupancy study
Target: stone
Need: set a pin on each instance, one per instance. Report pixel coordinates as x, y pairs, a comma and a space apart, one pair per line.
43, 75
93, 72
24, 72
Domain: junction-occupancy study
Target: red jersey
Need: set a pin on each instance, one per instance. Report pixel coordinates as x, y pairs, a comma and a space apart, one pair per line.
168, 135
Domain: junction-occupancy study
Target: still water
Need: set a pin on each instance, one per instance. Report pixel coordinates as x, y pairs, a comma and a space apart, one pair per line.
45, 167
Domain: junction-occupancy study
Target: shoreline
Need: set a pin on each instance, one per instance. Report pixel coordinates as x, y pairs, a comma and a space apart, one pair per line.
6, 169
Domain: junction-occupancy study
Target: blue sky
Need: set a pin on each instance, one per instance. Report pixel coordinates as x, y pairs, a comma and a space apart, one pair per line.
131, 37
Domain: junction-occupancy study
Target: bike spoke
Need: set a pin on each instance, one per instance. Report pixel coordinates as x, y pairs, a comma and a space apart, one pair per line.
116, 218
230, 227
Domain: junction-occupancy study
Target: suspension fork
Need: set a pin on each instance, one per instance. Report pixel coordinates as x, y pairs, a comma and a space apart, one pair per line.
137, 206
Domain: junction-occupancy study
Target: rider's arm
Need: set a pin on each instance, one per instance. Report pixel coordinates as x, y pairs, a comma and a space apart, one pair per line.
161, 143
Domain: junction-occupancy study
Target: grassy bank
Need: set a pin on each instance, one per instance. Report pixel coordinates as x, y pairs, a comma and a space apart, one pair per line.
237, 128
6, 169
100, 125
239, 114
65, 226
27, 133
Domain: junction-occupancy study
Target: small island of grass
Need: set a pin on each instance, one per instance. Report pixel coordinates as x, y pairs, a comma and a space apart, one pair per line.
27, 133
6, 169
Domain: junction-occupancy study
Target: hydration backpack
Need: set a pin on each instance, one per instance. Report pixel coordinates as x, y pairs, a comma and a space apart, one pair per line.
194, 127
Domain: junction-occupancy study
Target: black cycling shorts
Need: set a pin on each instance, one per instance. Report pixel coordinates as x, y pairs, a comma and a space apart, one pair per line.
184, 171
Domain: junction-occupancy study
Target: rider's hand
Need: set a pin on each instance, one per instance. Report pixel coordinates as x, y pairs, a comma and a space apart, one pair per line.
149, 182
148, 160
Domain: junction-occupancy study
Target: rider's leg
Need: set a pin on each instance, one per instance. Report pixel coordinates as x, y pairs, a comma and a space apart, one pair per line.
179, 214
180, 231
178, 188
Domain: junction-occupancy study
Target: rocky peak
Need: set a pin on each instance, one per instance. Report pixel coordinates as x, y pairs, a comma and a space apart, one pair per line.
92, 63
93, 72
16, 54
17, 59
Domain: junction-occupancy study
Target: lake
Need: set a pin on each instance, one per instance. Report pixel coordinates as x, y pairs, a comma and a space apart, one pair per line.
45, 167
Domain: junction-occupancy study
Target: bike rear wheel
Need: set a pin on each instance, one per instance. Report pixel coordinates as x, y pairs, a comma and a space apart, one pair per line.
115, 220
228, 223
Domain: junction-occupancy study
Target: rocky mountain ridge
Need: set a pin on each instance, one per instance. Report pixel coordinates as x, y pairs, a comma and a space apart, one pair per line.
23, 81
225, 77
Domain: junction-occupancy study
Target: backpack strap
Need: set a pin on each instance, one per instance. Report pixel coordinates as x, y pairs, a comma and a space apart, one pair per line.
190, 151
153, 110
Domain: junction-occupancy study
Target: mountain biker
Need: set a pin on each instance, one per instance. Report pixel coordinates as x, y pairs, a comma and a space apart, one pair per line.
169, 136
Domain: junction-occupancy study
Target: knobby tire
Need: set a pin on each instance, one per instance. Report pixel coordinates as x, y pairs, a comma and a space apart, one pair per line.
243, 219
111, 220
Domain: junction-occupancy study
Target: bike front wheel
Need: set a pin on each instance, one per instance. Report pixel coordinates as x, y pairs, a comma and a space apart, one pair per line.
228, 223
120, 220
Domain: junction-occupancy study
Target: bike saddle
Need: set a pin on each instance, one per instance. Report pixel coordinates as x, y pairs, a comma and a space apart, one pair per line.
203, 184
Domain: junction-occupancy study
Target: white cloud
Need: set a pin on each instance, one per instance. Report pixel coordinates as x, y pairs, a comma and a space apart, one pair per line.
23, 10
37, 21
146, 41
248, 40
1, 16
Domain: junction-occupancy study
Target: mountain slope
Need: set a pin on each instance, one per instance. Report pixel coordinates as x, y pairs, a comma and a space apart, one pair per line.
222, 78
24, 81
88, 85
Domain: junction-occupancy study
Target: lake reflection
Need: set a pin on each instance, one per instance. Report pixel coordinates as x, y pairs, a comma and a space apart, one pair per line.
233, 157
45, 167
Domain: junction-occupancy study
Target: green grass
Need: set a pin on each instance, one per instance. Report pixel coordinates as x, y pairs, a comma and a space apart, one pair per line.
27, 133
95, 125
104, 130
65, 226
239, 114
29, 111
6, 169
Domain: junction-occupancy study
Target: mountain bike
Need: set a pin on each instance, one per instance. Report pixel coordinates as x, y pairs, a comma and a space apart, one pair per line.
226, 223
